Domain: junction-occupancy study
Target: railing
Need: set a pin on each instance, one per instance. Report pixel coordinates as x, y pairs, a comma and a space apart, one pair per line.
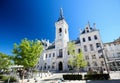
59, 56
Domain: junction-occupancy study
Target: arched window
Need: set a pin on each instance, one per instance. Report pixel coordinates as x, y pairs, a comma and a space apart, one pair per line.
89, 38
95, 37
60, 30
83, 39
60, 53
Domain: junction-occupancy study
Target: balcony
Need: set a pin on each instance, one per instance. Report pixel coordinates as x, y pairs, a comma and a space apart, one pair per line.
59, 56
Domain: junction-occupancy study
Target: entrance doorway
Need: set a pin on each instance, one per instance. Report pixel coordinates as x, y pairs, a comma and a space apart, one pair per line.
60, 66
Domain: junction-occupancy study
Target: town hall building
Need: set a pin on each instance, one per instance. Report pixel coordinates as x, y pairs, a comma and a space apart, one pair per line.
55, 55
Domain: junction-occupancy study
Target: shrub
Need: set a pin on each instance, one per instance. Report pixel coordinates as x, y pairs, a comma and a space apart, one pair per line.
97, 77
72, 77
5, 78
1, 76
12, 79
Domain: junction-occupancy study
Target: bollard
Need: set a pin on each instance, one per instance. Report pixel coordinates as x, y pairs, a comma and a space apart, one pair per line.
59, 81
28, 80
35, 80
8, 79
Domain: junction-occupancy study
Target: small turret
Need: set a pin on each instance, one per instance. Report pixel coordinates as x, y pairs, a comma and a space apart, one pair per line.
94, 25
81, 30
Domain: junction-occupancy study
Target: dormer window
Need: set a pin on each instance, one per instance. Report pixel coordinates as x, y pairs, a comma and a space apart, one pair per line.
60, 30
87, 30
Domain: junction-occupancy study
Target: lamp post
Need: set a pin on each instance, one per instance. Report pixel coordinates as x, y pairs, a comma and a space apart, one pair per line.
104, 58
115, 63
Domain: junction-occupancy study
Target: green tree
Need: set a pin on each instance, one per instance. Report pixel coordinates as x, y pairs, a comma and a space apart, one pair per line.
5, 61
27, 53
76, 60
80, 62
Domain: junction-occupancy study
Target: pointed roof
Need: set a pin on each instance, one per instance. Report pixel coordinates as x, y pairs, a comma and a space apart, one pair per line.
88, 28
61, 15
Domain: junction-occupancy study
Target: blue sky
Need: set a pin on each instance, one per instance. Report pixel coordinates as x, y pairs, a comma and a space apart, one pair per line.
35, 19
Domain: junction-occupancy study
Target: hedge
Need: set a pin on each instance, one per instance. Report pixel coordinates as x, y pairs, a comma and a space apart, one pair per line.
72, 77
97, 77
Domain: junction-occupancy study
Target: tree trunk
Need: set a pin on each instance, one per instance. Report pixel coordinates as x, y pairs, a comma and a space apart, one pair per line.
22, 78
23, 73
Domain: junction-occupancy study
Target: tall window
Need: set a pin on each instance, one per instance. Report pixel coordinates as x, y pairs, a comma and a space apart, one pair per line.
118, 54
53, 65
68, 52
102, 63
85, 48
83, 39
97, 45
53, 54
79, 50
60, 53
45, 65
60, 30
48, 66
89, 38
50, 55
95, 63
93, 57
87, 57
95, 37
46, 55
88, 63
91, 47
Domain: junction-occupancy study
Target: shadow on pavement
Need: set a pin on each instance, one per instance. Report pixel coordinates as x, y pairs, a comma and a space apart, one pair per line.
103, 81
51, 79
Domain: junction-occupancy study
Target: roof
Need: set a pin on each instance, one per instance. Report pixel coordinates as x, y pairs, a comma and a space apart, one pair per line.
117, 41
77, 41
44, 43
91, 29
51, 46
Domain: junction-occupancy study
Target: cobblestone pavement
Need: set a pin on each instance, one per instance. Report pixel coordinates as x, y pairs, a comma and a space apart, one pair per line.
55, 78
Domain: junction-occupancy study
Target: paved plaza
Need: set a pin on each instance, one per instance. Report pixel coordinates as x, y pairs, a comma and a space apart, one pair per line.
55, 78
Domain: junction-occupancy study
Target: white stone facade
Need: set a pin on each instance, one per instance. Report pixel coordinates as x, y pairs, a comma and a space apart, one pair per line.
55, 56
112, 51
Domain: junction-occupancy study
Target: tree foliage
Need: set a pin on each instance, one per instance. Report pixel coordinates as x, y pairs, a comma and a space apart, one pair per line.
5, 61
71, 48
76, 60
27, 52
80, 62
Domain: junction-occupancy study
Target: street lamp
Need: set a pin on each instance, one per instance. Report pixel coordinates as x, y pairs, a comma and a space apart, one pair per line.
115, 63
104, 58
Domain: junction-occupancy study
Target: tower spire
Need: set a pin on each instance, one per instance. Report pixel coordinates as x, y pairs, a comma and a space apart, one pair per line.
61, 15
61, 12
